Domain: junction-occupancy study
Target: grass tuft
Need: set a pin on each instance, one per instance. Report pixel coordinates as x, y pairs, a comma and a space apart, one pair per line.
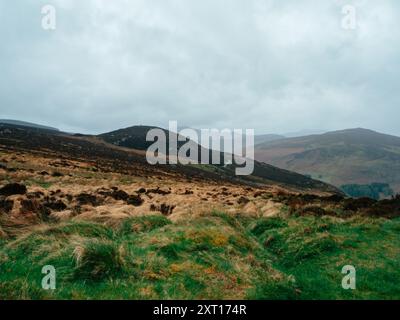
214, 256
97, 260
143, 224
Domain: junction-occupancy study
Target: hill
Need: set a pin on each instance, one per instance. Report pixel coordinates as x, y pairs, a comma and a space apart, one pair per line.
26, 124
115, 227
346, 157
135, 138
263, 138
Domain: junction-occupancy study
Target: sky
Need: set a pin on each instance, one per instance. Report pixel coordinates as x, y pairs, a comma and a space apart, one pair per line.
270, 65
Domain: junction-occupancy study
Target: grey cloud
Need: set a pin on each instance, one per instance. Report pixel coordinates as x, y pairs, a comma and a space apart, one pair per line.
269, 65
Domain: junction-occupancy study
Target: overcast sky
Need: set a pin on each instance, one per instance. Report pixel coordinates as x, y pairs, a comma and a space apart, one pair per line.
271, 65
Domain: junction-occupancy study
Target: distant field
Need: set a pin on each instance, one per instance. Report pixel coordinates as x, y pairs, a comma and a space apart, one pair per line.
214, 256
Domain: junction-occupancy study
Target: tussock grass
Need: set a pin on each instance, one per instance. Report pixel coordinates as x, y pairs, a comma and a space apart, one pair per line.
302, 239
214, 256
97, 260
143, 224
83, 229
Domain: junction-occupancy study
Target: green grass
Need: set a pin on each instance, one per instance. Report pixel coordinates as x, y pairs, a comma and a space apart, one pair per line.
98, 260
215, 256
142, 224
38, 182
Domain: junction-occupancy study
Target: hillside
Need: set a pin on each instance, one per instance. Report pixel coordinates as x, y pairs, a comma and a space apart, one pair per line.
26, 124
355, 156
134, 138
127, 159
115, 227
263, 138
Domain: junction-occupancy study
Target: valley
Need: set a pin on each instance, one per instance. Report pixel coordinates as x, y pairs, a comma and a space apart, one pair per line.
115, 227
342, 158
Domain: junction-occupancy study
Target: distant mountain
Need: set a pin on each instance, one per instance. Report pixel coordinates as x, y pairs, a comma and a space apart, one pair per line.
258, 139
347, 157
302, 133
132, 137
261, 138
26, 124
135, 138
97, 147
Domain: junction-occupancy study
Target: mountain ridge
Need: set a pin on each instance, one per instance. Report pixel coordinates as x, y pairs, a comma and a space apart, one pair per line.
342, 157
78, 146
27, 124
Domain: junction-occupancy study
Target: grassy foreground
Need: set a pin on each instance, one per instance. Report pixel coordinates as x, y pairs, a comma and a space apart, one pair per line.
214, 256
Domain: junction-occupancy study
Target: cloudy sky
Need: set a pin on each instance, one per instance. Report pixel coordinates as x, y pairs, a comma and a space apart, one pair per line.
272, 65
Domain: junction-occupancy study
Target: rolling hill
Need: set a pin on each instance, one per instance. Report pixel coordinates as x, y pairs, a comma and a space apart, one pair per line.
135, 138
108, 149
102, 216
26, 124
347, 157
263, 138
